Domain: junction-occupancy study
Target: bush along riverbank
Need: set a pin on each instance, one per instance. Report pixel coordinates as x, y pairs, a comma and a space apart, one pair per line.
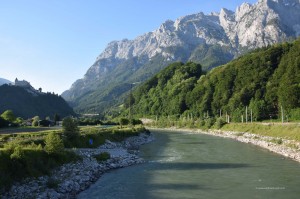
283, 139
71, 178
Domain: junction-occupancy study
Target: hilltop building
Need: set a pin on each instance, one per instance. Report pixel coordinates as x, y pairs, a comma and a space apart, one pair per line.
22, 83
27, 86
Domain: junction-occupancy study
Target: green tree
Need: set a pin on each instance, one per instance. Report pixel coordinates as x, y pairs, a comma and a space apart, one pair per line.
123, 121
8, 115
35, 121
70, 128
54, 144
19, 120
56, 118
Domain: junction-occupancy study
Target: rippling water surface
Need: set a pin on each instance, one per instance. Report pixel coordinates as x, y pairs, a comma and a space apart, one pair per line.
187, 165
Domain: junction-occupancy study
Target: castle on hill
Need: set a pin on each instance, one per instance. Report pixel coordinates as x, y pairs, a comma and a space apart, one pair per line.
22, 83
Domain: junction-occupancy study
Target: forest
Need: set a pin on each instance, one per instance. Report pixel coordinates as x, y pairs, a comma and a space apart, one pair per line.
264, 83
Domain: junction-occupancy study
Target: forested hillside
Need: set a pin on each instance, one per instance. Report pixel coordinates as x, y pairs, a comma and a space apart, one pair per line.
265, 81
27, 105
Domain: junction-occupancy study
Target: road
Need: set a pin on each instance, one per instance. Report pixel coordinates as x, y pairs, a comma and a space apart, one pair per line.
13, 130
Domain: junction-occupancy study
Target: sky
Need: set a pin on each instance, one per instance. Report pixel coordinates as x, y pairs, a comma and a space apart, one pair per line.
52, 43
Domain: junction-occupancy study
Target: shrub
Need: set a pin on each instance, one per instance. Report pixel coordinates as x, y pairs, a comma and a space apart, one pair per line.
202, 123
9, 116
279, 141
18, 153
209, 122
35, 121
11, 145
102, 156
136, 122
123, 121
220, 122
19, 160
240, 134
70, 128
54, 144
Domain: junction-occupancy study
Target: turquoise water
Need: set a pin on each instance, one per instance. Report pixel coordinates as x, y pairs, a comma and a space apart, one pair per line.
186, 165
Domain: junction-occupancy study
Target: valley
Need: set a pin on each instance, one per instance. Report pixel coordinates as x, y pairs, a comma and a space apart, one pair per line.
204, 106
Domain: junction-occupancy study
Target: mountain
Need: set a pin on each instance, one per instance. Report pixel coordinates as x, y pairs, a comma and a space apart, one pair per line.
27, 103
210, 40
4, 81
266, 81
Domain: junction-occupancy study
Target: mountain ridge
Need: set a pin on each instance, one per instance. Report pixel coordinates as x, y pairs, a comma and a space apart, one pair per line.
222, 36
27, 103
4, 81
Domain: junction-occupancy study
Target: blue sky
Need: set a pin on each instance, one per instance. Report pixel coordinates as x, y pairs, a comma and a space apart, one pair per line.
52, 43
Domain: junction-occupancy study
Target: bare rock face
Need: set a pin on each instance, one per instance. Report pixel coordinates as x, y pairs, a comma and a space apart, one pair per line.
250, 26
261, 24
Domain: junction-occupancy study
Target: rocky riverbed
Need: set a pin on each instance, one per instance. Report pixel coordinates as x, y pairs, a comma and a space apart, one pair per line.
70, 179
287, 148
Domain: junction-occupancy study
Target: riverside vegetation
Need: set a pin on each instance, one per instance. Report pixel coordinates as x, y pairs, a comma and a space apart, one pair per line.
290, 131
35, 154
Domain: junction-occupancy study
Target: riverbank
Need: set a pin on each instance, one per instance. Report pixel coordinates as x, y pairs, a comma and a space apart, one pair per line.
70, 179
285, 147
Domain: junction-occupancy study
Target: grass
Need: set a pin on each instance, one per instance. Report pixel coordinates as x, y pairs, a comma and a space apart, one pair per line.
92, 137
291, 132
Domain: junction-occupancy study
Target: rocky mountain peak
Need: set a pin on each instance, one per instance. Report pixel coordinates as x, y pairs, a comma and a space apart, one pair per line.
167, 26
197, 37
241, 11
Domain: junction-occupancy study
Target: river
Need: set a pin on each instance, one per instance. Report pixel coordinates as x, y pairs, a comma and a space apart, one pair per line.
189, 165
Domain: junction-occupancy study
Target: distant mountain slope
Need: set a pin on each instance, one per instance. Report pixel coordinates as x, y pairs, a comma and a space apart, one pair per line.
4, 81
210, 40
27, 104
264, 81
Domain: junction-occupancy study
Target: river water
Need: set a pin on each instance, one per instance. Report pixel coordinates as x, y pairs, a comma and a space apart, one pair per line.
189, 165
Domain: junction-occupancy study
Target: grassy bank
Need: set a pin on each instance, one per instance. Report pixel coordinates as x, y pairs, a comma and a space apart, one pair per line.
25, 154
285, 131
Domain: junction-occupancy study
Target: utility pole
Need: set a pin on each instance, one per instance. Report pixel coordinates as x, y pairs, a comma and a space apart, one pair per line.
251, 116
226, 116
282, 120
246, 114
